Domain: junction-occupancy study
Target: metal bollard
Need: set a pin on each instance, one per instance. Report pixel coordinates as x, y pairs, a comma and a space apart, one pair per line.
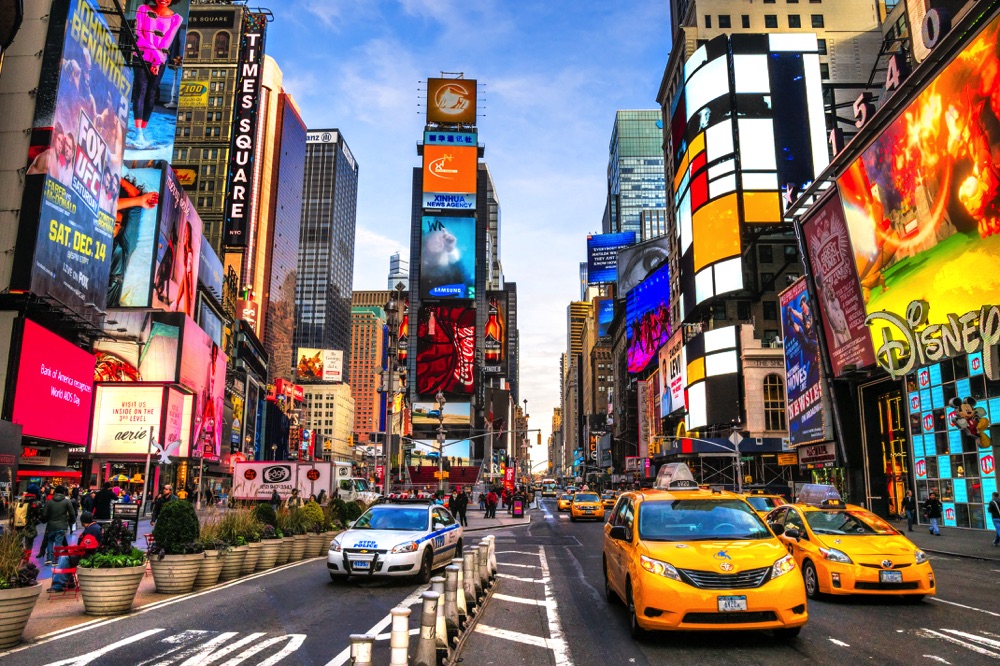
441, 628
463, 608
493, 556
361, 649
451, 618
470, 576
484, 565
399, 638
427, 644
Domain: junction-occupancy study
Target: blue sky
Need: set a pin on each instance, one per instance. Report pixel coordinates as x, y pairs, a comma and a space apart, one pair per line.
552, 74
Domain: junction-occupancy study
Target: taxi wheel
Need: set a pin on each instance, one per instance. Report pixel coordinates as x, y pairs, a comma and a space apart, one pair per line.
811, 580
572, 518
609, 594
426, 564
636, 631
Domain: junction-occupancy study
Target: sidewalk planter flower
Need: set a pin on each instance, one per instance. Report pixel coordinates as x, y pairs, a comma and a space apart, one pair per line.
18, 589
269, 546
110, 577
176, 555
237, 528
283, 527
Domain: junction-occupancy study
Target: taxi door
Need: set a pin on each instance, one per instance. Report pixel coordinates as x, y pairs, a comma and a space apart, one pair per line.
444, 544
797, 548
619, 553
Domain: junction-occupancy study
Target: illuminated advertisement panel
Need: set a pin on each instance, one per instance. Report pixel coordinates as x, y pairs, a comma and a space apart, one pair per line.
455, 451
320, 365
178, 250
136, 222
602, 255
605, 309
124, 417
454, 414
159, 38
75, 160
446, 350
638, 261
712, 394
442, 138
495, 334
451, 101
673, 374
921, 202
647, 318
448, 257
54, 389
826, 239
203, 370
802, 365
450, 169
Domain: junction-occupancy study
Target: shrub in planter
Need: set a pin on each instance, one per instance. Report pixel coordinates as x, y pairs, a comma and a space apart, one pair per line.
18, 589
338, 510
265, 514
283, 529
176, 555
110, 577
312, 522
237, 528
354, 511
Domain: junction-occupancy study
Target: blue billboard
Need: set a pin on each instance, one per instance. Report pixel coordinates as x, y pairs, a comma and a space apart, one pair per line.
447, 257
802, 365
647, 318
605, 315
602, 255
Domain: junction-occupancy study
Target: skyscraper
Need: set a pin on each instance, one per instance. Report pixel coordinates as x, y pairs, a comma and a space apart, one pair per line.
367, 349
399, 270
635, 169
326, 246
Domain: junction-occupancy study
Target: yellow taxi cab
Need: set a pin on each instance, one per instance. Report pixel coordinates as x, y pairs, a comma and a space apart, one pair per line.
608, 499
845, 549
689, 559
586, 504
763, 503
564, 501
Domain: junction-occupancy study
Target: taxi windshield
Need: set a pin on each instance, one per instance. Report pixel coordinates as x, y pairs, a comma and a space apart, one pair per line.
699, 520
854, 523
761, 503
585, 497
608, 495
566, 497
384, 518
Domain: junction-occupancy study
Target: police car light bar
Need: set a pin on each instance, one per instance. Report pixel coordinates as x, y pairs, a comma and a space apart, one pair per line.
673, 476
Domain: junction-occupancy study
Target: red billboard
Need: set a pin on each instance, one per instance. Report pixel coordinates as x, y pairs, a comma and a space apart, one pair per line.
837, 286
446, 350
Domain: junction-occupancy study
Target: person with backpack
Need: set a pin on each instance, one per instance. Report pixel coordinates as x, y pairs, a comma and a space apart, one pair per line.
59, 515
27, 515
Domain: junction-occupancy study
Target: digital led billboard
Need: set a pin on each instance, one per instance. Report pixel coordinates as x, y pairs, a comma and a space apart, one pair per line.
123, 417
54, 389
446, 350
921, 202
605, 309
802, 365
178, 250
638, 261
203, 370
152, 119
454, 414
136, 222
647, 319
451, 101
712, 393
448, 257
673, 374
602, 255
63, 248
320, 365
450, 170
495, 333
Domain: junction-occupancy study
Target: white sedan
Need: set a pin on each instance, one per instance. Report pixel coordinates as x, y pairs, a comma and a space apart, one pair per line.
396, 540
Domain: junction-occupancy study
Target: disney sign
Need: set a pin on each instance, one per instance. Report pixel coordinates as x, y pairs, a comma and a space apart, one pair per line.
909, 342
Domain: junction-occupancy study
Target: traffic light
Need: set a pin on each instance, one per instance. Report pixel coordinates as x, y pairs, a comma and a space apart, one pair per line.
539, 439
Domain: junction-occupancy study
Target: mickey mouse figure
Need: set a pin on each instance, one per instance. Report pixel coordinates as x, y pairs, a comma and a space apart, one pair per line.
971, 420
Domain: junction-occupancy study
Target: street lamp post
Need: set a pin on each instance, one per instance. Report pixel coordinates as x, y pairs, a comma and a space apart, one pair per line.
439, 403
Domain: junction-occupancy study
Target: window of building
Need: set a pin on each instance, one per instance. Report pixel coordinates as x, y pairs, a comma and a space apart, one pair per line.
769, 2
719, 310
822, 46
724, 21
708, 20
774, 403
794, 21
765, 253
824, 70
192, 44
187, 116
816, 2
743, 310
184, 131
791, 253
181, 153
745, 19
767, 281
770, 20
221, 44
817, 21
770, 310
792, 2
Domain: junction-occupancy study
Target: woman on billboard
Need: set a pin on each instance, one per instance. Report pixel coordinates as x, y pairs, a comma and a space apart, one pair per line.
156, 26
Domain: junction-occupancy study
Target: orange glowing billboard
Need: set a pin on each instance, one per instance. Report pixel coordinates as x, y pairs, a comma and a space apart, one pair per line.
451, 101
450, 169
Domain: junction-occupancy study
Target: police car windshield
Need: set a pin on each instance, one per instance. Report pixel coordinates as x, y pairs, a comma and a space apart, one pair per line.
585, 497
384, 518
763, 503
699, 520
853, 523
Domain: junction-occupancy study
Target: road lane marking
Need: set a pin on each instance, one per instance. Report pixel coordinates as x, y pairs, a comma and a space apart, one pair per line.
412, 599
934, 657
521, 566
517, 636
972, 608
968, 646
560, 649
85, 659
521, 600
840, 643
386, 636
973, 637
295, 641
523, 580
516, 552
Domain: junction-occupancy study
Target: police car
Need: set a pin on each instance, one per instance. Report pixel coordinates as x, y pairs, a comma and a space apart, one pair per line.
405, 539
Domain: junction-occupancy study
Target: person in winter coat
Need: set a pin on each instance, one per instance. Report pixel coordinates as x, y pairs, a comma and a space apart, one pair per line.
102, 502
491, 504
59, 515
90, 538
910, 509
932, 511
28, 512
275, 500
166, 496
459, 505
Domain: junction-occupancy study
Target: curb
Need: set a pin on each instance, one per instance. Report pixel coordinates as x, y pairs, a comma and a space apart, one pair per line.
470, 627
981, 558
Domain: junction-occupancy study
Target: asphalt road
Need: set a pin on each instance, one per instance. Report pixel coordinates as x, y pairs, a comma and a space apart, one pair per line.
549, 608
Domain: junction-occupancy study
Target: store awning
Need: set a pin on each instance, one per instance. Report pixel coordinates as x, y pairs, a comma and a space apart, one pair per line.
38, 471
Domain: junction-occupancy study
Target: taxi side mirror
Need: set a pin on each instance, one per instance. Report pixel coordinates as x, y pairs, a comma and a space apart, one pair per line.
777, 528
793, 533
619, 533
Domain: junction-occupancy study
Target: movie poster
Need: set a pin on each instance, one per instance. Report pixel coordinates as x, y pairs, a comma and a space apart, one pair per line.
446, 350
178, 250
159, 29
448, 257
803, 376
75, 160
136, 222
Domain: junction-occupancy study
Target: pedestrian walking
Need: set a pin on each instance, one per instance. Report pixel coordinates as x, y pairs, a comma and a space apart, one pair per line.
932, 511
87, 501
102, 502
59, 515
995, 515
491, 504
460, 505
294, 501
167, 495
910, 510
482, 501
321, 498
27, 514
275, 500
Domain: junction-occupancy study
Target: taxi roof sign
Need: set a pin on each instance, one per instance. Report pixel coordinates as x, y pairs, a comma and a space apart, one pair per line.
674, 476
818, 494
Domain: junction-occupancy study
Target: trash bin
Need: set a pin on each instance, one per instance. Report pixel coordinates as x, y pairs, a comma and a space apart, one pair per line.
518, 510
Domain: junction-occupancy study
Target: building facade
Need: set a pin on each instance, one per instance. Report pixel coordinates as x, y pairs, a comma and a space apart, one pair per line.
399, 271
330, 409
368, 337
635, 170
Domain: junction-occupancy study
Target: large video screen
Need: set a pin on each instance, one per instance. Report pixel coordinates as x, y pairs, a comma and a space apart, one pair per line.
54, 390
922, 201
495, 334
802, 365
450, 170
451, 101
602, 256
647, 319
178, 250
446, 350
448, 257
203, 370
136, 223
638, 261
605, 309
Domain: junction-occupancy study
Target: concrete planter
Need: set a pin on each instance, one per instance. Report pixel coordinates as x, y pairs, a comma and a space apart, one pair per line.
232, 563
316, 545
268, 553
208, 573
16, 605
109, 591
175, 574
298, 547
285, 550
250, 563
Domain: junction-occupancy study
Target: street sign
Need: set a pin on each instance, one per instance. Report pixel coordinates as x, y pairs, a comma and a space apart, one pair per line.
786, 459
736, 438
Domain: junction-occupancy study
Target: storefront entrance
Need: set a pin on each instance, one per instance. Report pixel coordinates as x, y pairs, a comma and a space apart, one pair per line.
886, 452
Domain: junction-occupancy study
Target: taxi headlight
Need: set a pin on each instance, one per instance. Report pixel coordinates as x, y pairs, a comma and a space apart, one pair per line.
782, 566
408, 547
659, 568
334, 546
920, 555
835, 555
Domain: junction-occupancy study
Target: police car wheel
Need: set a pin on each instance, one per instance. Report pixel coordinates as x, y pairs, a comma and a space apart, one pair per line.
338, 578
426, 564
636, 631
811, 580
458, 549
787, 634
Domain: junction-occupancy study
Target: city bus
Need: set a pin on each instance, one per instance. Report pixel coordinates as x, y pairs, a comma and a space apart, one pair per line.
550, 488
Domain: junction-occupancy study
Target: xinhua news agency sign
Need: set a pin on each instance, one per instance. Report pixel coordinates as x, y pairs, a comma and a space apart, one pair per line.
240, 185
910, 342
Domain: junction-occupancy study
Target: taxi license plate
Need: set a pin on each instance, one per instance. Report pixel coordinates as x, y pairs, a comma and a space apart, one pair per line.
360, 564
890, 576
732, 604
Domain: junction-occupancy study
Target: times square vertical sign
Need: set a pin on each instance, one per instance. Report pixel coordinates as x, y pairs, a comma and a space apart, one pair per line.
242, 150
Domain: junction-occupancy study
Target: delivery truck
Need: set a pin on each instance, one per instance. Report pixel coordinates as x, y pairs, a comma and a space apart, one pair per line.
257, 480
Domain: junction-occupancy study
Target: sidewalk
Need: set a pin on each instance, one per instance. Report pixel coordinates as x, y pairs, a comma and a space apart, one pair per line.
478, 523
957, 542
